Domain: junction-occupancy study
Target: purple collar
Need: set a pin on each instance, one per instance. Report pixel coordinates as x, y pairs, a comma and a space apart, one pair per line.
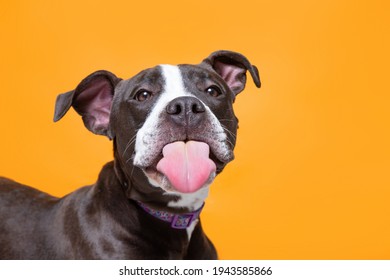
177, 221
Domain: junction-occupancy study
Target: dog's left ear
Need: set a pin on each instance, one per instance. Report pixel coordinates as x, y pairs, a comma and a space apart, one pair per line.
91, 99
232, 67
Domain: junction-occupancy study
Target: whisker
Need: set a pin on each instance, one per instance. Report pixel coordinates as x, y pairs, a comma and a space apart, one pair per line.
230, 142
131, 141
132, 171
130, 158
228, 131
226, 120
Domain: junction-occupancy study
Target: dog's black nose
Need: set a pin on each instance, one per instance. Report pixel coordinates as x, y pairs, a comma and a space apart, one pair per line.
186, 110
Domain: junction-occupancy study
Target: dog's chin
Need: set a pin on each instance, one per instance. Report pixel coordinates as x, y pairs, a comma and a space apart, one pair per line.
159, 180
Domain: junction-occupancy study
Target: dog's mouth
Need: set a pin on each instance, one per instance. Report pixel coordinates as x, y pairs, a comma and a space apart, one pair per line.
183, 166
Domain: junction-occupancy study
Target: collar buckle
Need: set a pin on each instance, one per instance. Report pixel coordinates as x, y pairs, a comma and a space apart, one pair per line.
183, 221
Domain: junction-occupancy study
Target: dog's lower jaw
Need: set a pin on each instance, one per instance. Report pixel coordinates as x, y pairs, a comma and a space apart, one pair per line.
189, 201
157, 196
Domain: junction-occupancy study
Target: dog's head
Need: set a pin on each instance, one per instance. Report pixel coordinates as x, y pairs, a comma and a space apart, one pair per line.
173, 127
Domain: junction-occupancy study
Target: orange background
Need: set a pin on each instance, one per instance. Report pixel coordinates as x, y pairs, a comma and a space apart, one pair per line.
311, 176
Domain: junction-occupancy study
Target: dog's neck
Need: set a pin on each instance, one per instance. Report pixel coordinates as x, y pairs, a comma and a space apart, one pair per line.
116, 203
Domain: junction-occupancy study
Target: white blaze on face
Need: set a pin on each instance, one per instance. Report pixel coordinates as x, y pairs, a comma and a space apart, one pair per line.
147, 135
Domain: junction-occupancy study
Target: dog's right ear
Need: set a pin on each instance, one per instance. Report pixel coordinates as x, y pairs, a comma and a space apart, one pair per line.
91, 99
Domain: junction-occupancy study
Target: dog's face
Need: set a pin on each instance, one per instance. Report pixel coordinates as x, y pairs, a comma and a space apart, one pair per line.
174, 127
175, 104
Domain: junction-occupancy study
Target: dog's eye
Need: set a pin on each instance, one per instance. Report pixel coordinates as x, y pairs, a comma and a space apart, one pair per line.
213, 91
143, 95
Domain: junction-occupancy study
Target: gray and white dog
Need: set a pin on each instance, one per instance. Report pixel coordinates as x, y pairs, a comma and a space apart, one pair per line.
174, 130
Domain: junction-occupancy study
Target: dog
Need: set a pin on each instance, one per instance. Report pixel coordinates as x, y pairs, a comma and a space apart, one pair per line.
173, 130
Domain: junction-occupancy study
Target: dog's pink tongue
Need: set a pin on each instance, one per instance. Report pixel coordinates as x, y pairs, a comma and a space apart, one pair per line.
186, 165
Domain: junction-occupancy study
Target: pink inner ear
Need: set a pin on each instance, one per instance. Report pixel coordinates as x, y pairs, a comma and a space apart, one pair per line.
233, 75
94, 104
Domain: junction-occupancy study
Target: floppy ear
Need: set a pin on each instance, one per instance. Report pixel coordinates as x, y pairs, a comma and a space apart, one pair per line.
232, 67
91, 99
